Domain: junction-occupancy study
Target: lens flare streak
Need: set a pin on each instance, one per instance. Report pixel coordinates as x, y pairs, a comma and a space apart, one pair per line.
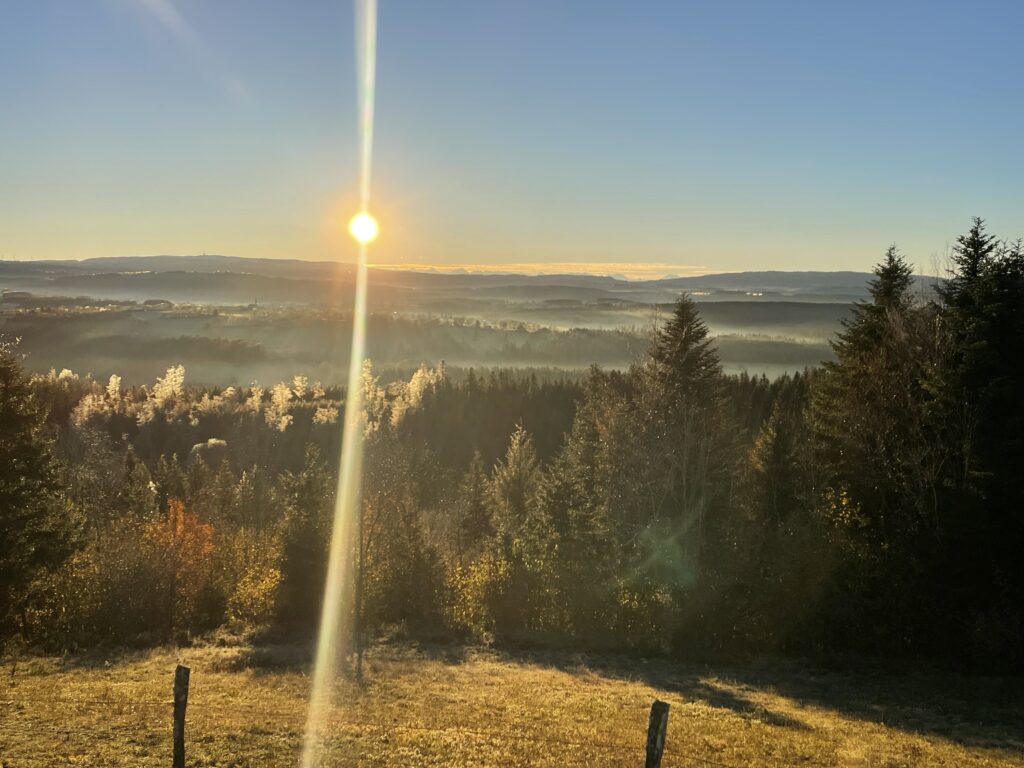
333, 637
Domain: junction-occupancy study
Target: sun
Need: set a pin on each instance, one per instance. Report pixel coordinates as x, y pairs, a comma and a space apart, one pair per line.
363, 227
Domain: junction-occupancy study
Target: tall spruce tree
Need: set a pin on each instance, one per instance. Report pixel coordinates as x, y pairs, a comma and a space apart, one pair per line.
862, 402
36, 526
883, 461
473, 525
684, 361
980, 384
683, 403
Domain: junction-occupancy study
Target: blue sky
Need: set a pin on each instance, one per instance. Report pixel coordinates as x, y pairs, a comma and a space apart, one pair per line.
722, 135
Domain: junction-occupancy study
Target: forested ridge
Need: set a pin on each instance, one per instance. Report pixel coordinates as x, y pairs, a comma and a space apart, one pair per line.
869, 506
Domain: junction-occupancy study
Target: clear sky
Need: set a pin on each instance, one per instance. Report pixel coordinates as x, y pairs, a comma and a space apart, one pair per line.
724, 135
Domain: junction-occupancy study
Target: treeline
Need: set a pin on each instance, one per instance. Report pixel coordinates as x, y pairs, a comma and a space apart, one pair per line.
868, 506
140, 514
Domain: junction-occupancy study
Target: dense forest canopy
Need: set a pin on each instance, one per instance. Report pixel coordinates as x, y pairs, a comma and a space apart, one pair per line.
869, 505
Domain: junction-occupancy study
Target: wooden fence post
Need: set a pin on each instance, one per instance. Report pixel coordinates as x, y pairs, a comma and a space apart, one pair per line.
656, 728
180, 702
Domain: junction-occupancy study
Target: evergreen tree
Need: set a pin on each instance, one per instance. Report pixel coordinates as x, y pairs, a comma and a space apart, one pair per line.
36, 528
308, 501
683, 357
138, 493
169, 479
682, 404
512, 492
515, 559
585, 572
474, 523
979, 385
90, 462
883, 462
869, 403
972, 255
783, 549
780, 470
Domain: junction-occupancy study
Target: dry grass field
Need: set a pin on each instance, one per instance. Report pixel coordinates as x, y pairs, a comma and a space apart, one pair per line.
448, 706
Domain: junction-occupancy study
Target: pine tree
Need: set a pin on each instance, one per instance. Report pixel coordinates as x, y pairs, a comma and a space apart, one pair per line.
681, 399
308, 501
512, 490
884, 462
872, 401
36, 530
169, 479
138, 493
783, 551
778, 464
972, 258
979, 386
516, 557
474, 523
682, 355
587, 543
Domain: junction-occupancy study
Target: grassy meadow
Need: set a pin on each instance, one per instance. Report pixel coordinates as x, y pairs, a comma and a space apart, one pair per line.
455, 706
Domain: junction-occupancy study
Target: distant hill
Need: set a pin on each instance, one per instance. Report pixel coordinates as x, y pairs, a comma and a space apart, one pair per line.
218, 279
231, 319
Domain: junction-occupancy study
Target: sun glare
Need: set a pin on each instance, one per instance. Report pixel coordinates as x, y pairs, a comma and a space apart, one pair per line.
363, 227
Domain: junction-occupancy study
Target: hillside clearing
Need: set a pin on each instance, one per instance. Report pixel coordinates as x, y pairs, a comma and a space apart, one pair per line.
455, 706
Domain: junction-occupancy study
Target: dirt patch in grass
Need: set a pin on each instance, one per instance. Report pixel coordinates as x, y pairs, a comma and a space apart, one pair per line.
456, 706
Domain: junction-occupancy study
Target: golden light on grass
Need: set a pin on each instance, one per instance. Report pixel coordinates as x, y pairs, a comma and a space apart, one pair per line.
497, 710
364, 228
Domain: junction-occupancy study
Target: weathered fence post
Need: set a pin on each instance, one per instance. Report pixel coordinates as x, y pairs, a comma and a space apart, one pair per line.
180, 702
656, 728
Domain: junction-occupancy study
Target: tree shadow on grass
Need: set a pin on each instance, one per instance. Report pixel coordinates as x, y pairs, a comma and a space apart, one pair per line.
689, 683
970, 710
